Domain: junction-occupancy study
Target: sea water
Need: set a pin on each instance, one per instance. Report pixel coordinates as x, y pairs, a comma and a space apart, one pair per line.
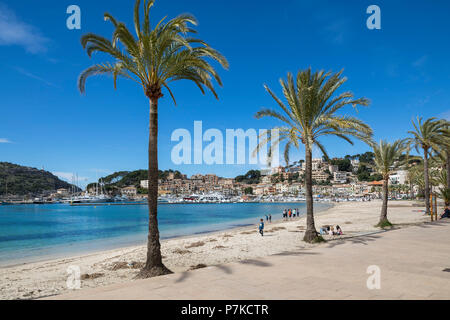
37, 232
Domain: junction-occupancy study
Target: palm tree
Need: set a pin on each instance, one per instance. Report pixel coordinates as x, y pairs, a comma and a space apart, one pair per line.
441, 180
427, 136
311, 113
386, 160
154, 58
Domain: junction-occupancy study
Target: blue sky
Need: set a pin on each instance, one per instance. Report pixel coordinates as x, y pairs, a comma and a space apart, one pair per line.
403, 69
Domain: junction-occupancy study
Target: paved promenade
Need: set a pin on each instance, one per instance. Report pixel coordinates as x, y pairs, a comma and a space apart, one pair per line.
411, 261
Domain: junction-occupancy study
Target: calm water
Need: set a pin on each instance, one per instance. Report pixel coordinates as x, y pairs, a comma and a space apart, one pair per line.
34, 232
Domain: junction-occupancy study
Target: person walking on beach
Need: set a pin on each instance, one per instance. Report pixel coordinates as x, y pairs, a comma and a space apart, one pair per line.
267, 217
261, 227
284, 214
270, 218
290, 213
294, 212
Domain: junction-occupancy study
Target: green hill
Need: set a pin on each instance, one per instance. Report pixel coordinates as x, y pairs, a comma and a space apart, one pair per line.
122, 179
20, 180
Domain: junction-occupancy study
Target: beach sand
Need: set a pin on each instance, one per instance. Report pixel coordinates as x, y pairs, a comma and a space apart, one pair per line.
47, 278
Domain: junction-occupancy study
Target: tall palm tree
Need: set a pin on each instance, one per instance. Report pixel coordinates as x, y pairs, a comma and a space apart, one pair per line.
427, 136
444, 153
310, 114
387, 160
153, 58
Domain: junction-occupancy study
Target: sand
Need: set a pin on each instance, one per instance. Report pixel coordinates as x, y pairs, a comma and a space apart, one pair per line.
47, 278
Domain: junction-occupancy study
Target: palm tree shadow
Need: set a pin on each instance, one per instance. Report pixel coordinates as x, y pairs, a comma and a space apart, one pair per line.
354, 240
258, 263
224, 268
295, 253
185, 274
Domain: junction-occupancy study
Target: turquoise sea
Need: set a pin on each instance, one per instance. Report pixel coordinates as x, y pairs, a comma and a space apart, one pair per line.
36, 232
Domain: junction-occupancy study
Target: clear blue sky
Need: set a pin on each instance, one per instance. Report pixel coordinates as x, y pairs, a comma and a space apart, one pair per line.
403, 69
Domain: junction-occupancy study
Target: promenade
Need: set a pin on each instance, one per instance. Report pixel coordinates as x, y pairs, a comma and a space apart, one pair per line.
414, 263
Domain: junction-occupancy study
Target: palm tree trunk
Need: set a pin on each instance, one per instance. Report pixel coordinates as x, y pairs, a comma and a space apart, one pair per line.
426, 180
311, 233
153, 265
411, 190
447, 155
384, 207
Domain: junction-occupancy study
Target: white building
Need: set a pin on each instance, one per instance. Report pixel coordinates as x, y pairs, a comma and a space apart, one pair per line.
129, 191
316, 164
355, 164
333, 168
340, 177
400, 177
144, 184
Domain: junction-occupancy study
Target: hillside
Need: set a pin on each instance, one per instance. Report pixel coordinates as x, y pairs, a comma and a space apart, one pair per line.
20, 180
122, 179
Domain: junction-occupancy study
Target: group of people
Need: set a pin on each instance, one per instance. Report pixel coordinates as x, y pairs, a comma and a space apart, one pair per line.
330, 230
290, 213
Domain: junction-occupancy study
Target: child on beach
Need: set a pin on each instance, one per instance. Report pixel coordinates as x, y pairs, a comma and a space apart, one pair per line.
261, 227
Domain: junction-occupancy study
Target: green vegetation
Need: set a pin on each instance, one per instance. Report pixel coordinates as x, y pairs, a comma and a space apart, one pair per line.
20, 180
248, 190
123, 179
318, 239
384, 224
387, 160
251, 177
429, 136
343, 164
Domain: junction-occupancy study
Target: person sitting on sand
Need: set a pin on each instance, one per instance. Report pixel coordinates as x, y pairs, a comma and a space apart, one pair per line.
323, 231
446, 213
330, 231
261, 227
338, 230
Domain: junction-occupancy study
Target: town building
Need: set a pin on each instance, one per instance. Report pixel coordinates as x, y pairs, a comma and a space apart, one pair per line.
129, 191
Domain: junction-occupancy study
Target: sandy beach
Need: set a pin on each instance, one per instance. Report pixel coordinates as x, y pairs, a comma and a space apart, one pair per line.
48, 278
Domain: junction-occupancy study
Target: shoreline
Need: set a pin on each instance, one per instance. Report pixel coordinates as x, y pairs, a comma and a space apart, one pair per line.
81, 254
47, 278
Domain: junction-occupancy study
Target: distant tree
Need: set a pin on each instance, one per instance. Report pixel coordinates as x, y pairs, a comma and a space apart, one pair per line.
386, 162
427, 137
251, 177
343, 164
248, 190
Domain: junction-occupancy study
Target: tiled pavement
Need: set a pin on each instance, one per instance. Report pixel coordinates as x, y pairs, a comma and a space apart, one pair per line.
411, 261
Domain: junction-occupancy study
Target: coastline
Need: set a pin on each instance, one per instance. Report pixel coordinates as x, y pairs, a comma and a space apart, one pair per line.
109, 244
46, 278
